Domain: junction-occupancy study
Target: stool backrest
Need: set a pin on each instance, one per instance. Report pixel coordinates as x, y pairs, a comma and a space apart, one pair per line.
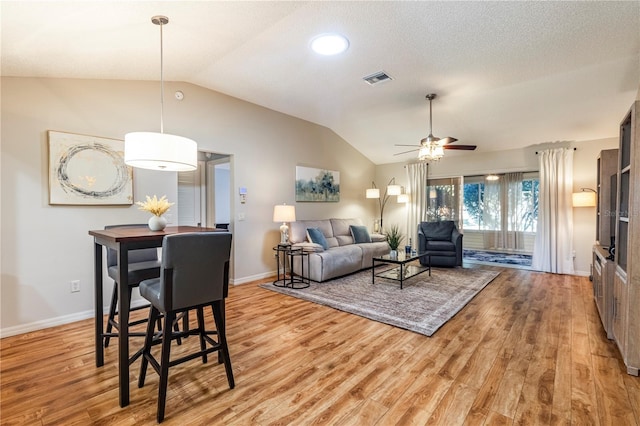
135, 256
195, 269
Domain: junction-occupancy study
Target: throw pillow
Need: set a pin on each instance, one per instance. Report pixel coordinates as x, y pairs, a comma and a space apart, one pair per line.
360, 234
315, 235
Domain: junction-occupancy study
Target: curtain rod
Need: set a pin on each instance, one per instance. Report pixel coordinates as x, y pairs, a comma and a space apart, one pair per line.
573, 149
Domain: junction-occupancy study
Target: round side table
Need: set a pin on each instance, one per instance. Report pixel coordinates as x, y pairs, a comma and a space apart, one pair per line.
285, 255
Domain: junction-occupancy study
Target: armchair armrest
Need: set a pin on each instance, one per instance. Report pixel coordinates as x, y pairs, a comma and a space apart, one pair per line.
422, 240
456, 239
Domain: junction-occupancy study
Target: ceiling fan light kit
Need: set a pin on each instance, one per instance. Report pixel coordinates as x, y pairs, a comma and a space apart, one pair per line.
432, 148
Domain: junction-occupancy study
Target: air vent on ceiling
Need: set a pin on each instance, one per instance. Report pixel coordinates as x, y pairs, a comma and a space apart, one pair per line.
377, 78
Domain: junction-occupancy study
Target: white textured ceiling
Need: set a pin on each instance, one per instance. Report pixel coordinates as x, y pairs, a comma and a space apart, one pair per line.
507, 74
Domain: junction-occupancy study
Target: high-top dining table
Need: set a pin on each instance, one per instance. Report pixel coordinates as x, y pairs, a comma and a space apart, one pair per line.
122, 240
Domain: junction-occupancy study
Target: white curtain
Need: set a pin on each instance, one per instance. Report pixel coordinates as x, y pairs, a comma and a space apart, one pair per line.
553, 245
513, 237
503, 213
417, 174
491, 213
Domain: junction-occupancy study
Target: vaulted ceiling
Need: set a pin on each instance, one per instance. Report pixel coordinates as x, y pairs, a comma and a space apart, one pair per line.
507, 74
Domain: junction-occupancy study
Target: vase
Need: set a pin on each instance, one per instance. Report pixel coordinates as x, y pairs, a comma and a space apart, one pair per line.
393, 254
157, 223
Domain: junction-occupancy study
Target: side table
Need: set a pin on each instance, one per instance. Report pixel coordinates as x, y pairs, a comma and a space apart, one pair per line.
284, 259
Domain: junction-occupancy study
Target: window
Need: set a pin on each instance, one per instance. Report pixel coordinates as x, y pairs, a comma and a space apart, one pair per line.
444, 200
502, 211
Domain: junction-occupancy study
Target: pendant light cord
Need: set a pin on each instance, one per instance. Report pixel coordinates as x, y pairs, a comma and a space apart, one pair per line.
430, 116
161, 82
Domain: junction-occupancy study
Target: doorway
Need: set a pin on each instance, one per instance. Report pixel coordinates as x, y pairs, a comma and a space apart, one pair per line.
204, 195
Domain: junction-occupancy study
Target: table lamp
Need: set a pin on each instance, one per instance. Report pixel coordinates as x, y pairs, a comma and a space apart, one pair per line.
284, 213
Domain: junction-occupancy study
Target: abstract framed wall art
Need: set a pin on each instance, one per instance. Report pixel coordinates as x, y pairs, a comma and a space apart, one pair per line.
317, 184
88, 170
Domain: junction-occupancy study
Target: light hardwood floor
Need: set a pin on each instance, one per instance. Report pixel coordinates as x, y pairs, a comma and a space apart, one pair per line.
529, 349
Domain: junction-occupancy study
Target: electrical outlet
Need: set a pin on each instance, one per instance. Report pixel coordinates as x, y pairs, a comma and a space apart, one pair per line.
75, 286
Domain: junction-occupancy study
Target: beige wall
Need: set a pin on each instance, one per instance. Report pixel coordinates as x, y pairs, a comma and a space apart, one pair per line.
476, 163
44, 247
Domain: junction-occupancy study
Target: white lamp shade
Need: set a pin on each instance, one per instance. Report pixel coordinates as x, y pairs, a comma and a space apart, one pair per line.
424, 153
394, 190
373, 193
284, 213
403, 198
160, 151
584, 199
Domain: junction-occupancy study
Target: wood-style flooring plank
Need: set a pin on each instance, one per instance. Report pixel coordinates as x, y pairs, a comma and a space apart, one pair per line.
528, 349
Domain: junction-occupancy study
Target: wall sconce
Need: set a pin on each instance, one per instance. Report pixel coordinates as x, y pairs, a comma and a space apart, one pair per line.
585, 198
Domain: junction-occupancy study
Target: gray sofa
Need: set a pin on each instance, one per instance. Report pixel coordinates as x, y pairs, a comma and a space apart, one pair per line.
342, 255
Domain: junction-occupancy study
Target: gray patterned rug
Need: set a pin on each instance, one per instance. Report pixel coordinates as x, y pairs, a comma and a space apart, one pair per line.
423, 305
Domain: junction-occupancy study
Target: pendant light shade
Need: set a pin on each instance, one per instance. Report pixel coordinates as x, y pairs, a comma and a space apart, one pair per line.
160, 151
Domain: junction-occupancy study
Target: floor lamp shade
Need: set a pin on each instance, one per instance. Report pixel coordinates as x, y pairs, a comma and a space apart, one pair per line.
160, 151
373, 193
394, 190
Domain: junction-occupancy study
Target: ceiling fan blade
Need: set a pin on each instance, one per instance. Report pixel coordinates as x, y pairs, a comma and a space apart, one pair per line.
447, 140
461, 147
406, 152
399, 144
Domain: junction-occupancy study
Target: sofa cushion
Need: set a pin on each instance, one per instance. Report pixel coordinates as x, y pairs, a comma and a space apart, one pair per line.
309, 247
341, 226
298, 229
371, 250
360, 234
316, 236
378, 238
439, 231
335, 262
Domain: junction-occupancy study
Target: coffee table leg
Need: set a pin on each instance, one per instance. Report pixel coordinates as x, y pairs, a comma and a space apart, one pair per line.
373, 271
401, 275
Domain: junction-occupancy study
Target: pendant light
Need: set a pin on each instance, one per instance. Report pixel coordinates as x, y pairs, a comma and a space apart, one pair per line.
160, 151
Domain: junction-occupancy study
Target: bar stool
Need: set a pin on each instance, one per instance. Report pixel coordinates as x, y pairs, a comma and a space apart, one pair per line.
195, 275
143, 264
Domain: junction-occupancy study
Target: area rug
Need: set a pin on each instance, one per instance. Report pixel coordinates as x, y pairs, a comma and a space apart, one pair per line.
496, 257
424, 304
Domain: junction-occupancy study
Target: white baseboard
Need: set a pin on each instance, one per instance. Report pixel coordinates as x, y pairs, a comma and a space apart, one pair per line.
251, 278
53, 322
47, 323
79, 316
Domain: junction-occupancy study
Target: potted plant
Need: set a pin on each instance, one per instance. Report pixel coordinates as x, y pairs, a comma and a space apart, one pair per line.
157, 207
394, 239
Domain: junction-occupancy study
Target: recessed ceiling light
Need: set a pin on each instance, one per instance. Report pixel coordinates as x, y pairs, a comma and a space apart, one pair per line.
329, 44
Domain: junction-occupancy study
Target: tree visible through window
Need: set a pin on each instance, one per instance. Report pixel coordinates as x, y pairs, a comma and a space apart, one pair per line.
477, 208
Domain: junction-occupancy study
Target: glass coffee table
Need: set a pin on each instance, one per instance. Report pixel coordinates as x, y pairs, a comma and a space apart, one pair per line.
404, 270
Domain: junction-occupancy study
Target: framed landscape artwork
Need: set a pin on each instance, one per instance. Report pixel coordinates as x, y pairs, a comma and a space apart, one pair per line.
317, 184
88, 170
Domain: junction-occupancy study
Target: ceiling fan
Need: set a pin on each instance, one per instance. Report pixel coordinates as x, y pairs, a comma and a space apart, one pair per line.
431, 147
